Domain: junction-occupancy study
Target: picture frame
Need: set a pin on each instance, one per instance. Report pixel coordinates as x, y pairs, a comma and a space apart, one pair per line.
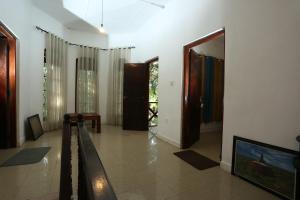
269, 167
35, 126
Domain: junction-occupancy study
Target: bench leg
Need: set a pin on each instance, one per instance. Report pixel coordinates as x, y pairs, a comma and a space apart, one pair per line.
98, 125
93, 123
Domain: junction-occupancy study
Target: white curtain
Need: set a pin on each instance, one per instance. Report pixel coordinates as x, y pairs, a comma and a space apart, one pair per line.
117, 58
87, 94
56, 65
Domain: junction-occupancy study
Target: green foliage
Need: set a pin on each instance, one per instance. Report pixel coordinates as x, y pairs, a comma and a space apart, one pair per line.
153, 82
153, 91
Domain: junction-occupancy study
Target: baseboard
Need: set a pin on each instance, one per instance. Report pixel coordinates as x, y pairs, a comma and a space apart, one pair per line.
172, 142
225, 166
21, 141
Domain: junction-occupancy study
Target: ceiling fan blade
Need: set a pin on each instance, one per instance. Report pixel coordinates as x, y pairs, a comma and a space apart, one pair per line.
153, 4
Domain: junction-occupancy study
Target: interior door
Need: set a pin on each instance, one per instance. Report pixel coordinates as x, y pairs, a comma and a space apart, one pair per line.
4, 103
135, 96
195, 90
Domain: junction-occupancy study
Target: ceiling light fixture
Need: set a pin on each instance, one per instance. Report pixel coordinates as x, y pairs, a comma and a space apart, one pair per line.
101, 29
154, 4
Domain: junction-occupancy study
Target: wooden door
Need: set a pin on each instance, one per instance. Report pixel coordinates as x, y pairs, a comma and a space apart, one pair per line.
195, 90
135, 96
4, 88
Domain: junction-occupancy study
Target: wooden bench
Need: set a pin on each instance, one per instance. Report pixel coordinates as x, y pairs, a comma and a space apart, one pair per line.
94, 117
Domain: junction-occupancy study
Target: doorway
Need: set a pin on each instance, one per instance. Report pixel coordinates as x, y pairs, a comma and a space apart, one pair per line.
8, 137
140, 96
153, 92
153, 66
203, 92
135, 97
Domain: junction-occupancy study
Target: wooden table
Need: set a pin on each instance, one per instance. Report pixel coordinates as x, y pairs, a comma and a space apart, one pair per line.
94, 117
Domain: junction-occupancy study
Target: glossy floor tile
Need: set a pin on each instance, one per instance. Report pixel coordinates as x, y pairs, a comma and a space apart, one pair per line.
209, 145
139, 166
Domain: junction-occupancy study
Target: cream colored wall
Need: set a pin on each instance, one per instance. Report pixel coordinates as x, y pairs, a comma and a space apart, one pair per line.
262, 72
214, 48
20, 26
21, 20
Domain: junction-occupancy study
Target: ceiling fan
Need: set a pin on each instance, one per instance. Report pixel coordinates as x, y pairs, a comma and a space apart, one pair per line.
154, 4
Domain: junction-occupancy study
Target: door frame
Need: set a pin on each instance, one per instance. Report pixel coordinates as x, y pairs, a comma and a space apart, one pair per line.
186, 84
12, 78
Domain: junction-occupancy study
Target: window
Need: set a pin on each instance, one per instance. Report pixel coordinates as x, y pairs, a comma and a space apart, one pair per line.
86, 85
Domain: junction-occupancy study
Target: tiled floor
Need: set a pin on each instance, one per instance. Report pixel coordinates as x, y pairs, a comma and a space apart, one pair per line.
209, 145
140, 167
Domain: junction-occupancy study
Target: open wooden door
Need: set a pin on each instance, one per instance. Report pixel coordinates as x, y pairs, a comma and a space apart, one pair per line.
191, 95
136, 96
195, 90
4, 125
8, 136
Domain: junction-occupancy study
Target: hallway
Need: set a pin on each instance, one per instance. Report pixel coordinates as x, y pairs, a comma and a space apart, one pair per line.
140, 167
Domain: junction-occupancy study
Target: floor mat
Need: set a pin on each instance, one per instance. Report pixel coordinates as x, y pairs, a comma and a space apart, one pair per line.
196, 160
27, 156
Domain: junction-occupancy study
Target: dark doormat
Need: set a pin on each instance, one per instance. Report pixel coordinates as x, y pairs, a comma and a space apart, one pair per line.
196, 160
27, 156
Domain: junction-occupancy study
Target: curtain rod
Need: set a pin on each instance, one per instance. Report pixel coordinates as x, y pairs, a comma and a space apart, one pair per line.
79, 45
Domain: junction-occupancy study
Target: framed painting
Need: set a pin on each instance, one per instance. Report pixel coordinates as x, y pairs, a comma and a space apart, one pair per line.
266, 166
35, 126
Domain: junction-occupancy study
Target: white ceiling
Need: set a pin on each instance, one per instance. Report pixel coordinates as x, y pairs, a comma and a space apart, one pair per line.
55, 9
120, 16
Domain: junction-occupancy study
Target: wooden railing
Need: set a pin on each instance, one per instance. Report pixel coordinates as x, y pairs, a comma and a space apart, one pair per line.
93, 183
153, 113
65, 191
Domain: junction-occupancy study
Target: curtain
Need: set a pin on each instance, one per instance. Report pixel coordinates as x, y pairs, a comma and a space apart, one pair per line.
208, 89
117, 58
56, 63
87, 94
212, 89
218, 90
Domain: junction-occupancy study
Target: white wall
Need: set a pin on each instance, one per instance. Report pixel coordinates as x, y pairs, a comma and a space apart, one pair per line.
37, 46
22, 20
214, 48
20, 27
262, 73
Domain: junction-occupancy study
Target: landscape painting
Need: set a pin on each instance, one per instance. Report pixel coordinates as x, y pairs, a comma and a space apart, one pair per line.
267, 166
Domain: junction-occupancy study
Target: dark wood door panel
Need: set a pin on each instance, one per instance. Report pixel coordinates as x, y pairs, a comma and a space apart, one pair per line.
7, 88
135, 96
4, 128
195, 85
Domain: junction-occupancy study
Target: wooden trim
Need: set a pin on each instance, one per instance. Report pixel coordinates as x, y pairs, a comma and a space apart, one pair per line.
206, 38
152, 60
65, 190
186, 84
12, 43
76, 76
